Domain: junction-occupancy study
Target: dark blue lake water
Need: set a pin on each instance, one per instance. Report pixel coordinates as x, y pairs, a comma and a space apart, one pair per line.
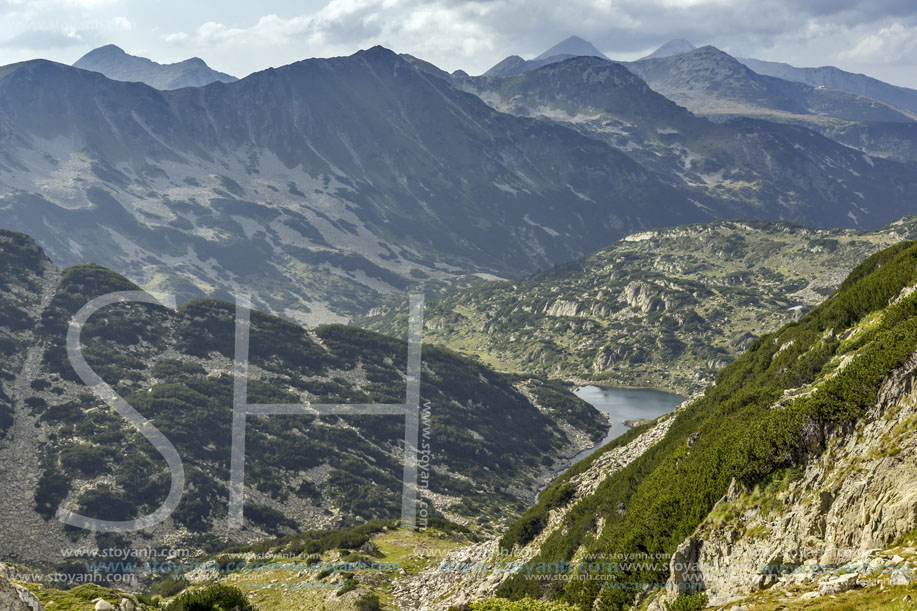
621, 404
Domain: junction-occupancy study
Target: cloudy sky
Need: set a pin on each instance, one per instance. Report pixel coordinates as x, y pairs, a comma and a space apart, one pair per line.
877, 37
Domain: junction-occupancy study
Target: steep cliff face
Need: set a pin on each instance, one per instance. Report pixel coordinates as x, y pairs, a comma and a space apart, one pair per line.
840, 512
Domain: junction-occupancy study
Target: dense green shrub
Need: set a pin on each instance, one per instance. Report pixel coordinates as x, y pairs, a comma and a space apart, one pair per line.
40, 385
103, 503
53, 487
190, 401
168, 586
85, 459
216, 597
6, 415
369, 602
319, 541
688, 602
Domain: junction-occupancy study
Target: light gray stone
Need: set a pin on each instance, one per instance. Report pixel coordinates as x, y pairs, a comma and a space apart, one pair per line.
844, 583
17, 598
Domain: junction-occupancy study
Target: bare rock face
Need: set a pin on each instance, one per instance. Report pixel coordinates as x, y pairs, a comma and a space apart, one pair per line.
683, 575
827, 528
902, 578
641, 296
562, 308
17, 598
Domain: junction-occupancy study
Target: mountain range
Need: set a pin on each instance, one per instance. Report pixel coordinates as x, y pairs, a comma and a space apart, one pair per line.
497, 437
569, 216
352, 178
709, 82
673, 47
743, 168
349, 176
573, 46
827, 77
570, 47
830, 77
113, 62
853, 109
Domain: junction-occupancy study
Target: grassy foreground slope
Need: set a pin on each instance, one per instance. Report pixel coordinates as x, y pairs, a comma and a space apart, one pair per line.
769, 411
664, 309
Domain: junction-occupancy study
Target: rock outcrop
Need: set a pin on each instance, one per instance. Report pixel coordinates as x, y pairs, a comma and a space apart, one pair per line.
16, 598
663, 309
829, 529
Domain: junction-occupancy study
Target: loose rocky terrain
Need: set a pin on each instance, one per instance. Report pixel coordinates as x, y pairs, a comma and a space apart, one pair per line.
664, 309
476, 572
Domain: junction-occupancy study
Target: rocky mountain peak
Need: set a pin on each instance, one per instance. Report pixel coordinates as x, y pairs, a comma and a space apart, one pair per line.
673, 47
105, 50
376, 51
117, 64
572, 46
511, 65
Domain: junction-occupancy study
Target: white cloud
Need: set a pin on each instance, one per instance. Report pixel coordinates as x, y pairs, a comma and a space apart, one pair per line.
88, 4
437, 30
890, 44
175, 37
453, 33
874, 36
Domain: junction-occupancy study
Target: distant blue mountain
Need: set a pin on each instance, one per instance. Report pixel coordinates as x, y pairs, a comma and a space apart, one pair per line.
113, 62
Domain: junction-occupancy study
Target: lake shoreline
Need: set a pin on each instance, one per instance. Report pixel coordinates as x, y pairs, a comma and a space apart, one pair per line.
624, 408
569, 461
619, 417
579, 383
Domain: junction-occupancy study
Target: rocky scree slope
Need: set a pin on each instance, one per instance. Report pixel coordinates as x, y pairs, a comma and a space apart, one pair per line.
664, 309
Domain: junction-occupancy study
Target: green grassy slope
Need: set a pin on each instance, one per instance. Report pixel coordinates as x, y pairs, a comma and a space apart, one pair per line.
745, 427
